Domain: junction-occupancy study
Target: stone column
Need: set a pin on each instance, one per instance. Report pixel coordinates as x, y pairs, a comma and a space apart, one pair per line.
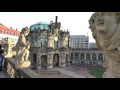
90, 56
85, 55
50, 60
68, 61
38, 61
97, 56
31, 55
63, 59
78, 56
60, 60
73, 56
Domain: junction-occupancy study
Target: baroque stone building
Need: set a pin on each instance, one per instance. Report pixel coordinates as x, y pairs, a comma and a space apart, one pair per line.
91, 56
49, 45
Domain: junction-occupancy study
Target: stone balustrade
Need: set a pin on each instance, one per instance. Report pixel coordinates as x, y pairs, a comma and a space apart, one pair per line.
12, 72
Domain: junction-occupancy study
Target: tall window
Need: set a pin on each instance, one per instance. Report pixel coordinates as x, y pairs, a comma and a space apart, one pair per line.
94, 57
82, 56
88, 56
34, 40
76, 55
44, 40
100, 56
56, 42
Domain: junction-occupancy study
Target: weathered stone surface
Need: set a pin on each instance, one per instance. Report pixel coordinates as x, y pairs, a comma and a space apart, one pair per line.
105, 27
22, 50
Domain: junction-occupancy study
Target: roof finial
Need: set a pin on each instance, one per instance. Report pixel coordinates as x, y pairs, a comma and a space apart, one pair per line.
56, 18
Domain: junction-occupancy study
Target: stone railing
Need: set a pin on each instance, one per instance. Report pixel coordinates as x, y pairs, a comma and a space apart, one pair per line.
12, 72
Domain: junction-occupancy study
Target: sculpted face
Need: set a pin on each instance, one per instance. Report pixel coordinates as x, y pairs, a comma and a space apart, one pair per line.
105, 23
26, 33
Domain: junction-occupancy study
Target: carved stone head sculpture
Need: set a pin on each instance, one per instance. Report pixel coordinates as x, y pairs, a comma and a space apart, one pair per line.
105, 27
22, 51
25, 31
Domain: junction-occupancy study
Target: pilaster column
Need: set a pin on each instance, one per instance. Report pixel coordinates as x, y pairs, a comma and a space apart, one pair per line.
63, 59
50, 61
38, 61
78, 56
97, 56
85, 56
90, 56
73, 56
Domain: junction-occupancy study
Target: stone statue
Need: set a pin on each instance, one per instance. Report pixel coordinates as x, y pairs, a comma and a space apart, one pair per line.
8, 44
105, 27
22, 51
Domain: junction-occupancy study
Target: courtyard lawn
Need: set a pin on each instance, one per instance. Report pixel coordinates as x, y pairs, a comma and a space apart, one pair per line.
97, 72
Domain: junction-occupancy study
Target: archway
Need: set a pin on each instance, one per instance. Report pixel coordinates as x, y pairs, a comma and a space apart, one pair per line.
100, 56
55, 60
43, 61
94, 57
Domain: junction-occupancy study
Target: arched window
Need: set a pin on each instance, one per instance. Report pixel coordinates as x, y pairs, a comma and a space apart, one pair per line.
88, 56
76, 55
44, 40
100, 56
94, 57
34, 40
82, 56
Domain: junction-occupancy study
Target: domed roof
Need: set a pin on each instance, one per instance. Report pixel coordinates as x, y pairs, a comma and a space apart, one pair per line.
42, 25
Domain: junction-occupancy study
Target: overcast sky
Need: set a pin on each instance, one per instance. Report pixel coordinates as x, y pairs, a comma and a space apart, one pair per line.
76, 22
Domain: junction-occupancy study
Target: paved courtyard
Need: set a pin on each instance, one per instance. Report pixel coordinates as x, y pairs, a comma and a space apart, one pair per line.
80, 70
68, 72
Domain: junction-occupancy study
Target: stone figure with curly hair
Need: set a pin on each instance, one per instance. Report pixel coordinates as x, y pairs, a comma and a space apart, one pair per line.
105, 27
22, 50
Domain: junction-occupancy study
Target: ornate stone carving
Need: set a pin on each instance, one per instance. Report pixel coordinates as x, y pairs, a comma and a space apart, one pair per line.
50, 40
63, 40
105, 27
22, 51
7, 43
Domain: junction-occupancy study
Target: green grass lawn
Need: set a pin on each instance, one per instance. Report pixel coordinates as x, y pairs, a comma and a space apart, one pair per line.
97, 72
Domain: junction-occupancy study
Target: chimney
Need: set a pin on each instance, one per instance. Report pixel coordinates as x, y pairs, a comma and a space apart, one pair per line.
56, 18
16, 29
10, 27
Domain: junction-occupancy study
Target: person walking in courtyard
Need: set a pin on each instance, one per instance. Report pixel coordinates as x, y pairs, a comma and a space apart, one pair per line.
1, 57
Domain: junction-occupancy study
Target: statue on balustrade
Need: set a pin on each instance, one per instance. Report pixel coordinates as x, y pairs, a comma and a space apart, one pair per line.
105, 27
22, 50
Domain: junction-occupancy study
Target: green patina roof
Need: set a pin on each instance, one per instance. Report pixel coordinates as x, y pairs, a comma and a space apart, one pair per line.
40, 25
